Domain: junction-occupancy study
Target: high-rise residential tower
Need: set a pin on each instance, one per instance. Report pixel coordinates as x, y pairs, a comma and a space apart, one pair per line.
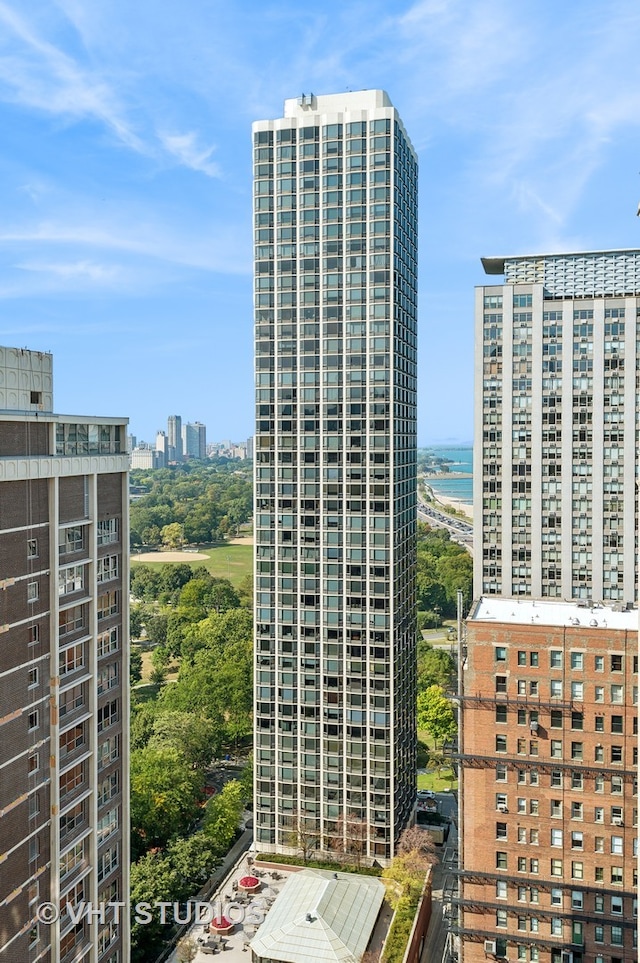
64, 677
194, 440
174, 436
335, 220
556, 427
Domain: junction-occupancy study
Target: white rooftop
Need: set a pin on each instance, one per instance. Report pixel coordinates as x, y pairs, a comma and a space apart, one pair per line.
320, 917
336, 103
552, 612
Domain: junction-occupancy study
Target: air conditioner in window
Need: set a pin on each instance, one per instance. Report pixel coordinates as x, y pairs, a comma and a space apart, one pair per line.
502, 808
490, 946
617, 821
533, 726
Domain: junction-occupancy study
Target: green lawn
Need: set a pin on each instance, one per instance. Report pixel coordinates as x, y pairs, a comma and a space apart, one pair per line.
233, 562
439, 780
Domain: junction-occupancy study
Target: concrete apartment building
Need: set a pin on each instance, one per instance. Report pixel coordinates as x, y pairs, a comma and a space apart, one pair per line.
549, 794
174, 439
556, 423
194, 440
64, 809
335, 208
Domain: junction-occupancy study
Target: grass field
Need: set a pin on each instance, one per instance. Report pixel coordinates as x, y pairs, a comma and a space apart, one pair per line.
233, 562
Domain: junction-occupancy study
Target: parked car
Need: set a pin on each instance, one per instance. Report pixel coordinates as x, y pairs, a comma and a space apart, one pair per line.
426, 794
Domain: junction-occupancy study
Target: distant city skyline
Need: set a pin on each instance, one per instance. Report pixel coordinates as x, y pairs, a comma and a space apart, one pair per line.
126, 176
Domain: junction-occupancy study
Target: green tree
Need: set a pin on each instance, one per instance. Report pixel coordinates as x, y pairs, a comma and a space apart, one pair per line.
193, 735
223, 814
153, 879
435, 666
156, 627
435, 714
135, 666
172, 535
165, 793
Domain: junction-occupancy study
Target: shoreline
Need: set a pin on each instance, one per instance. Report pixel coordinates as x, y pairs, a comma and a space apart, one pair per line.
452, 502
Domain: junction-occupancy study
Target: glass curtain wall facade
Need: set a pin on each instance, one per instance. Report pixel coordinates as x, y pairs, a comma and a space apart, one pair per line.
335, 222
557, 427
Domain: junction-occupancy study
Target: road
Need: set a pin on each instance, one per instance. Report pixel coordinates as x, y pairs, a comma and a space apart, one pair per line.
461, 531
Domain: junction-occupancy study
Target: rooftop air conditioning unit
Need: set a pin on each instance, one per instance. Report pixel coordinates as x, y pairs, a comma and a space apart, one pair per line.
490, 947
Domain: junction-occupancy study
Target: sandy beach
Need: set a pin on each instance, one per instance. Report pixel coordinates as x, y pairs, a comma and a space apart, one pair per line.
453, 503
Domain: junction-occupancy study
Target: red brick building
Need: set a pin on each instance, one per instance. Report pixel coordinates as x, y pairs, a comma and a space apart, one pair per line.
64, 810
548, 789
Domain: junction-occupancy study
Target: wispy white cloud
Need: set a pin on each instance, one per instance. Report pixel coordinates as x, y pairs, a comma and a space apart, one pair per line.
185, 148
73, 270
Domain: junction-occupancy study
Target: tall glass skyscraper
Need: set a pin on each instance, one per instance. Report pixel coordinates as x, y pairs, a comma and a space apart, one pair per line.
335, 219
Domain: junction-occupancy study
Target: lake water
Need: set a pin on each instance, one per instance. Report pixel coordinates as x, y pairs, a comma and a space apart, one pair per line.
461, 459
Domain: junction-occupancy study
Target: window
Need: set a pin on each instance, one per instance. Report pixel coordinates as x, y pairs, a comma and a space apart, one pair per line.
556, 719
555, 659
617, 724
556, 808
108, 531
617, 694
577, 869
599, 663
616, 905
522, 864
522, 834
616, 936
533, 659
501, 653
576, 750
556, 897
577, 661
501, 860
501, 743
599, 904
33, 677
70, 579
556, 837
501, 830
522, 658
556, 748
533, 807
556, 689
501, 917
616, 663
534, 866
33, 591
577, 690
616, 784
501, 773
577, 720
34, 720
501, 713
616, 753
522, 687
599, 723
33, 763
33, 634
556, 926
556, 867
617, 845
599, 693
107, 568
616, 875
576, 779
577, 840
598, 844
501, 889
32, 548
501, 683
556, 778
108, 642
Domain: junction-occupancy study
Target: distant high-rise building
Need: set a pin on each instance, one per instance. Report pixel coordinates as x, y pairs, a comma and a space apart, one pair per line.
335, 188
556, 455
174, 433
162, 449
132, 442
64, 677
194, 440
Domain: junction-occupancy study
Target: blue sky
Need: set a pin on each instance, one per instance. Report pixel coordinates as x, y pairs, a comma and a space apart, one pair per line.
125, 175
